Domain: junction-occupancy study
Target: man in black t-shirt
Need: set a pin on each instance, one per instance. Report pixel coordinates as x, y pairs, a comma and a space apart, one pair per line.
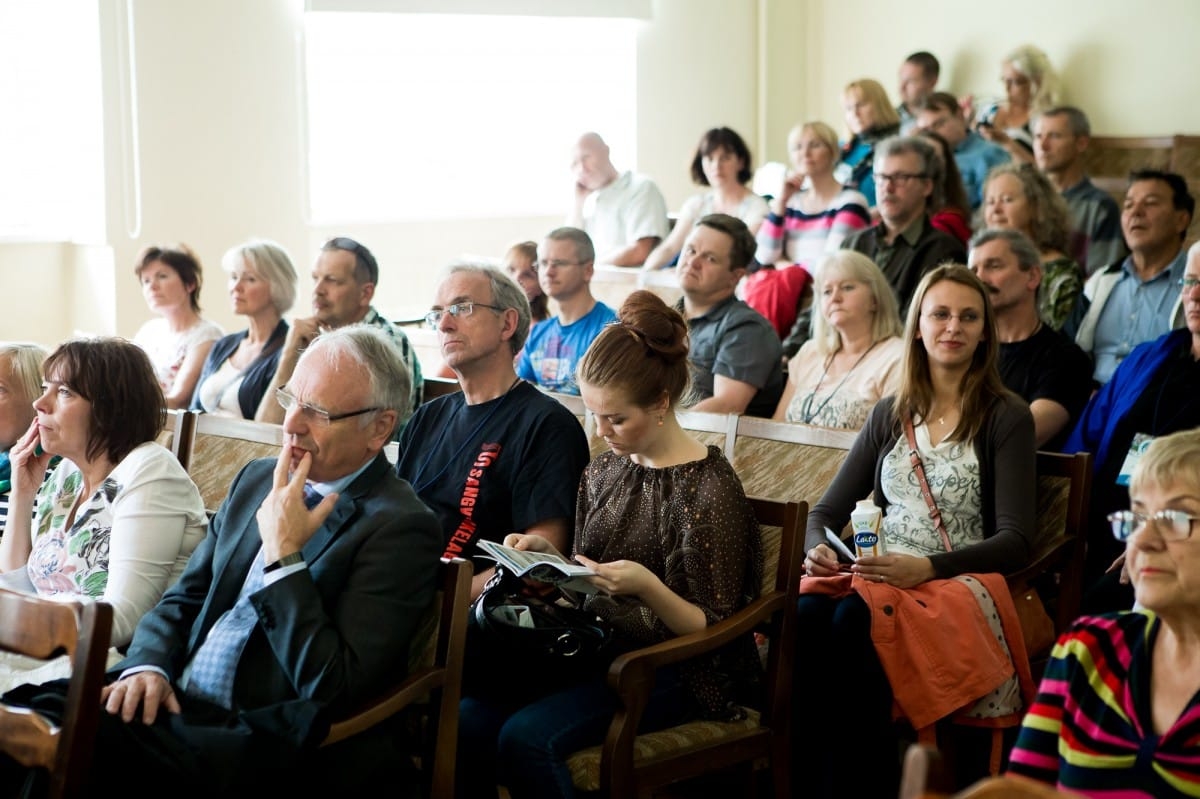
1037, 362
500, 456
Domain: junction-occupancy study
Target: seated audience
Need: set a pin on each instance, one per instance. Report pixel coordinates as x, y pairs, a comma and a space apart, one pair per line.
870, 119
903, 243
300, 605
1062, 134
918, 78
975, 440
853, 357
548, 359
499, 456
520, 262
1137, 299
623, 212
722, 162
736, 358
1151, 393
974, 155
1030, 87
179, 341
1020, 198
663, 521
810, 216
949, 208
344, 278
20, 385
1117, 710
262, 285
118, 517
1038, 363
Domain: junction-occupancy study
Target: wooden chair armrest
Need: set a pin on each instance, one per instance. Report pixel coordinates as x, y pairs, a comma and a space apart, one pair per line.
414, 688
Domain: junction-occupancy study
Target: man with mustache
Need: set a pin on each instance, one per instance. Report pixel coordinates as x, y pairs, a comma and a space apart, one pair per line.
904, 245
1037, 362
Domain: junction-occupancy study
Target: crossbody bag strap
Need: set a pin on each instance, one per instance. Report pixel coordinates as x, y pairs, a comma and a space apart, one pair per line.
915, 457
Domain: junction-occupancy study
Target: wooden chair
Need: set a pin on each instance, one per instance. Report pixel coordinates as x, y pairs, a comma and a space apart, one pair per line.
783, 460
177, 434
436, 675
712, 428
43, 628
439, 387
629, 765
221, 446
925, 778
1108, 160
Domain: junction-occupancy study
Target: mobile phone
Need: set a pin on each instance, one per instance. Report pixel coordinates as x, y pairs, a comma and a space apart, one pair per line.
839, 545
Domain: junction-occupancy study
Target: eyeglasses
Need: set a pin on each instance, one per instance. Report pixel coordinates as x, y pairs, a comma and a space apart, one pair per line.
318, 416
898, 179
1188, 283
434, 317
364, 256
966, 317
557, 264
1173, 525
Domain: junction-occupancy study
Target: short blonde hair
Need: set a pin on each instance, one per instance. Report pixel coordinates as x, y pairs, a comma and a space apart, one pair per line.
1169, 460
855, 266
25, 360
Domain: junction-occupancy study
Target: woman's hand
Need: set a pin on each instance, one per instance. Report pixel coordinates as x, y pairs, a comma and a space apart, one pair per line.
792, 183
28, 466
902, 571
821, 562
529, 542
621, 576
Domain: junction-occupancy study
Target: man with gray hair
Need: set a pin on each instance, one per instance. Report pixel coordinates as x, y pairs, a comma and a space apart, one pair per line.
1061, 135
499, 456
904, 244
1037, 362
301, 603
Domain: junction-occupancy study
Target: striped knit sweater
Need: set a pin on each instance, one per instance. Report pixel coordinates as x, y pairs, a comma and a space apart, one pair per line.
802, 238
1090, 729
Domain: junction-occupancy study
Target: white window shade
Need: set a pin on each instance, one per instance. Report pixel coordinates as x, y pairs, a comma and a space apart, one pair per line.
631, 9
419, 116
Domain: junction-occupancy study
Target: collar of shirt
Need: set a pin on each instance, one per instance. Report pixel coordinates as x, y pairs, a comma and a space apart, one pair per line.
342, 483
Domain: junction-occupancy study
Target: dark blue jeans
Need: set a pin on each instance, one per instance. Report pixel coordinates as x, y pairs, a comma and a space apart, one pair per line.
525, 747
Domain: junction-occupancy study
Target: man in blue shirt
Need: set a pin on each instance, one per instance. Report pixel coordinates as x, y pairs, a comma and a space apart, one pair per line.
565, 264
1138, 298
975, 155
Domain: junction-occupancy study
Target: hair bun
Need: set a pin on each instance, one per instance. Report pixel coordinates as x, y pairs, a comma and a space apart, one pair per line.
660, 327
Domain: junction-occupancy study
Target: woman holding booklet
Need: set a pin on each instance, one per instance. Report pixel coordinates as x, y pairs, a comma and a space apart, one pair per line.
663, 522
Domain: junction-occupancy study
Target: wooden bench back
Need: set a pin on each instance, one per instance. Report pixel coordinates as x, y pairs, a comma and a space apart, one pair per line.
786, 461
222, 446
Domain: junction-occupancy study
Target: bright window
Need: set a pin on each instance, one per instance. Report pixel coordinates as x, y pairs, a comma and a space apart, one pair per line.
427, 116
51, 141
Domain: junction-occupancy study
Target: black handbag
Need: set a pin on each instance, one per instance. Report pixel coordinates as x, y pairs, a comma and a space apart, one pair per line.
548, 621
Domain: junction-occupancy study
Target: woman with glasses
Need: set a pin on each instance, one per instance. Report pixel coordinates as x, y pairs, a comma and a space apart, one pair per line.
721, 163
262, 286
1030, 87
117, 519
853, 357
975, 450
1152, 393
1118, 710
181, 339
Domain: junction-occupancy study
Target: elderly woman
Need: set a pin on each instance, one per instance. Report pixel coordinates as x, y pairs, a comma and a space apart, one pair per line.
1020, 197
118, 517
262, 286
1118, 711
20, 384
180, 340
853, 358
1030, 87
722, 163
1152, 393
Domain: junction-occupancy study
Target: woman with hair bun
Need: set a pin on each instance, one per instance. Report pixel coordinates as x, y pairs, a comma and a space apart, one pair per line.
663, 521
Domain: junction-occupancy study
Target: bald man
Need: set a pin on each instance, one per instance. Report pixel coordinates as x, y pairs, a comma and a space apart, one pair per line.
624, 213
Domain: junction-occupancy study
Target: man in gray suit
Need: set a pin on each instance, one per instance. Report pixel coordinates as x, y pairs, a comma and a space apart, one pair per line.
306, 592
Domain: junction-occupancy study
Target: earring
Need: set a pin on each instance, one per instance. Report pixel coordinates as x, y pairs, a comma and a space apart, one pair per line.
660, 421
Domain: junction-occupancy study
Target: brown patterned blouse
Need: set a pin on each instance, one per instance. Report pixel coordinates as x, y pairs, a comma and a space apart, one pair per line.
692, 527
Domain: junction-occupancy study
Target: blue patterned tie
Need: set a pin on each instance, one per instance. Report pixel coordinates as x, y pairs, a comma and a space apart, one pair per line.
215, 662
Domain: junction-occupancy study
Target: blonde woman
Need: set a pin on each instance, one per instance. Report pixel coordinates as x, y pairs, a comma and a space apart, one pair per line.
870, 118
1030, 87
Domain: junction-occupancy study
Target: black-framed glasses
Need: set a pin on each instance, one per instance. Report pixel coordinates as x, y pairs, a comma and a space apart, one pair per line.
898, 179
364, 256
1189, 282
965, 318
315, 415
1173, 525
458, 309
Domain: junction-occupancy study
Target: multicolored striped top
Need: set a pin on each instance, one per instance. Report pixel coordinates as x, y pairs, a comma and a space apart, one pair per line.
801, 238
1090, 729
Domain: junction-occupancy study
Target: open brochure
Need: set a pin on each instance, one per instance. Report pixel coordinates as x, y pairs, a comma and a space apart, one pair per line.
541, 566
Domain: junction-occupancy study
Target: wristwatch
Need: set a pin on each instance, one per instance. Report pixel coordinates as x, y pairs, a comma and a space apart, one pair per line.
286, 560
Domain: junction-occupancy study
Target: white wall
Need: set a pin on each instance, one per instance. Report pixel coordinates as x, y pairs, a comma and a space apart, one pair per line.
221, 139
